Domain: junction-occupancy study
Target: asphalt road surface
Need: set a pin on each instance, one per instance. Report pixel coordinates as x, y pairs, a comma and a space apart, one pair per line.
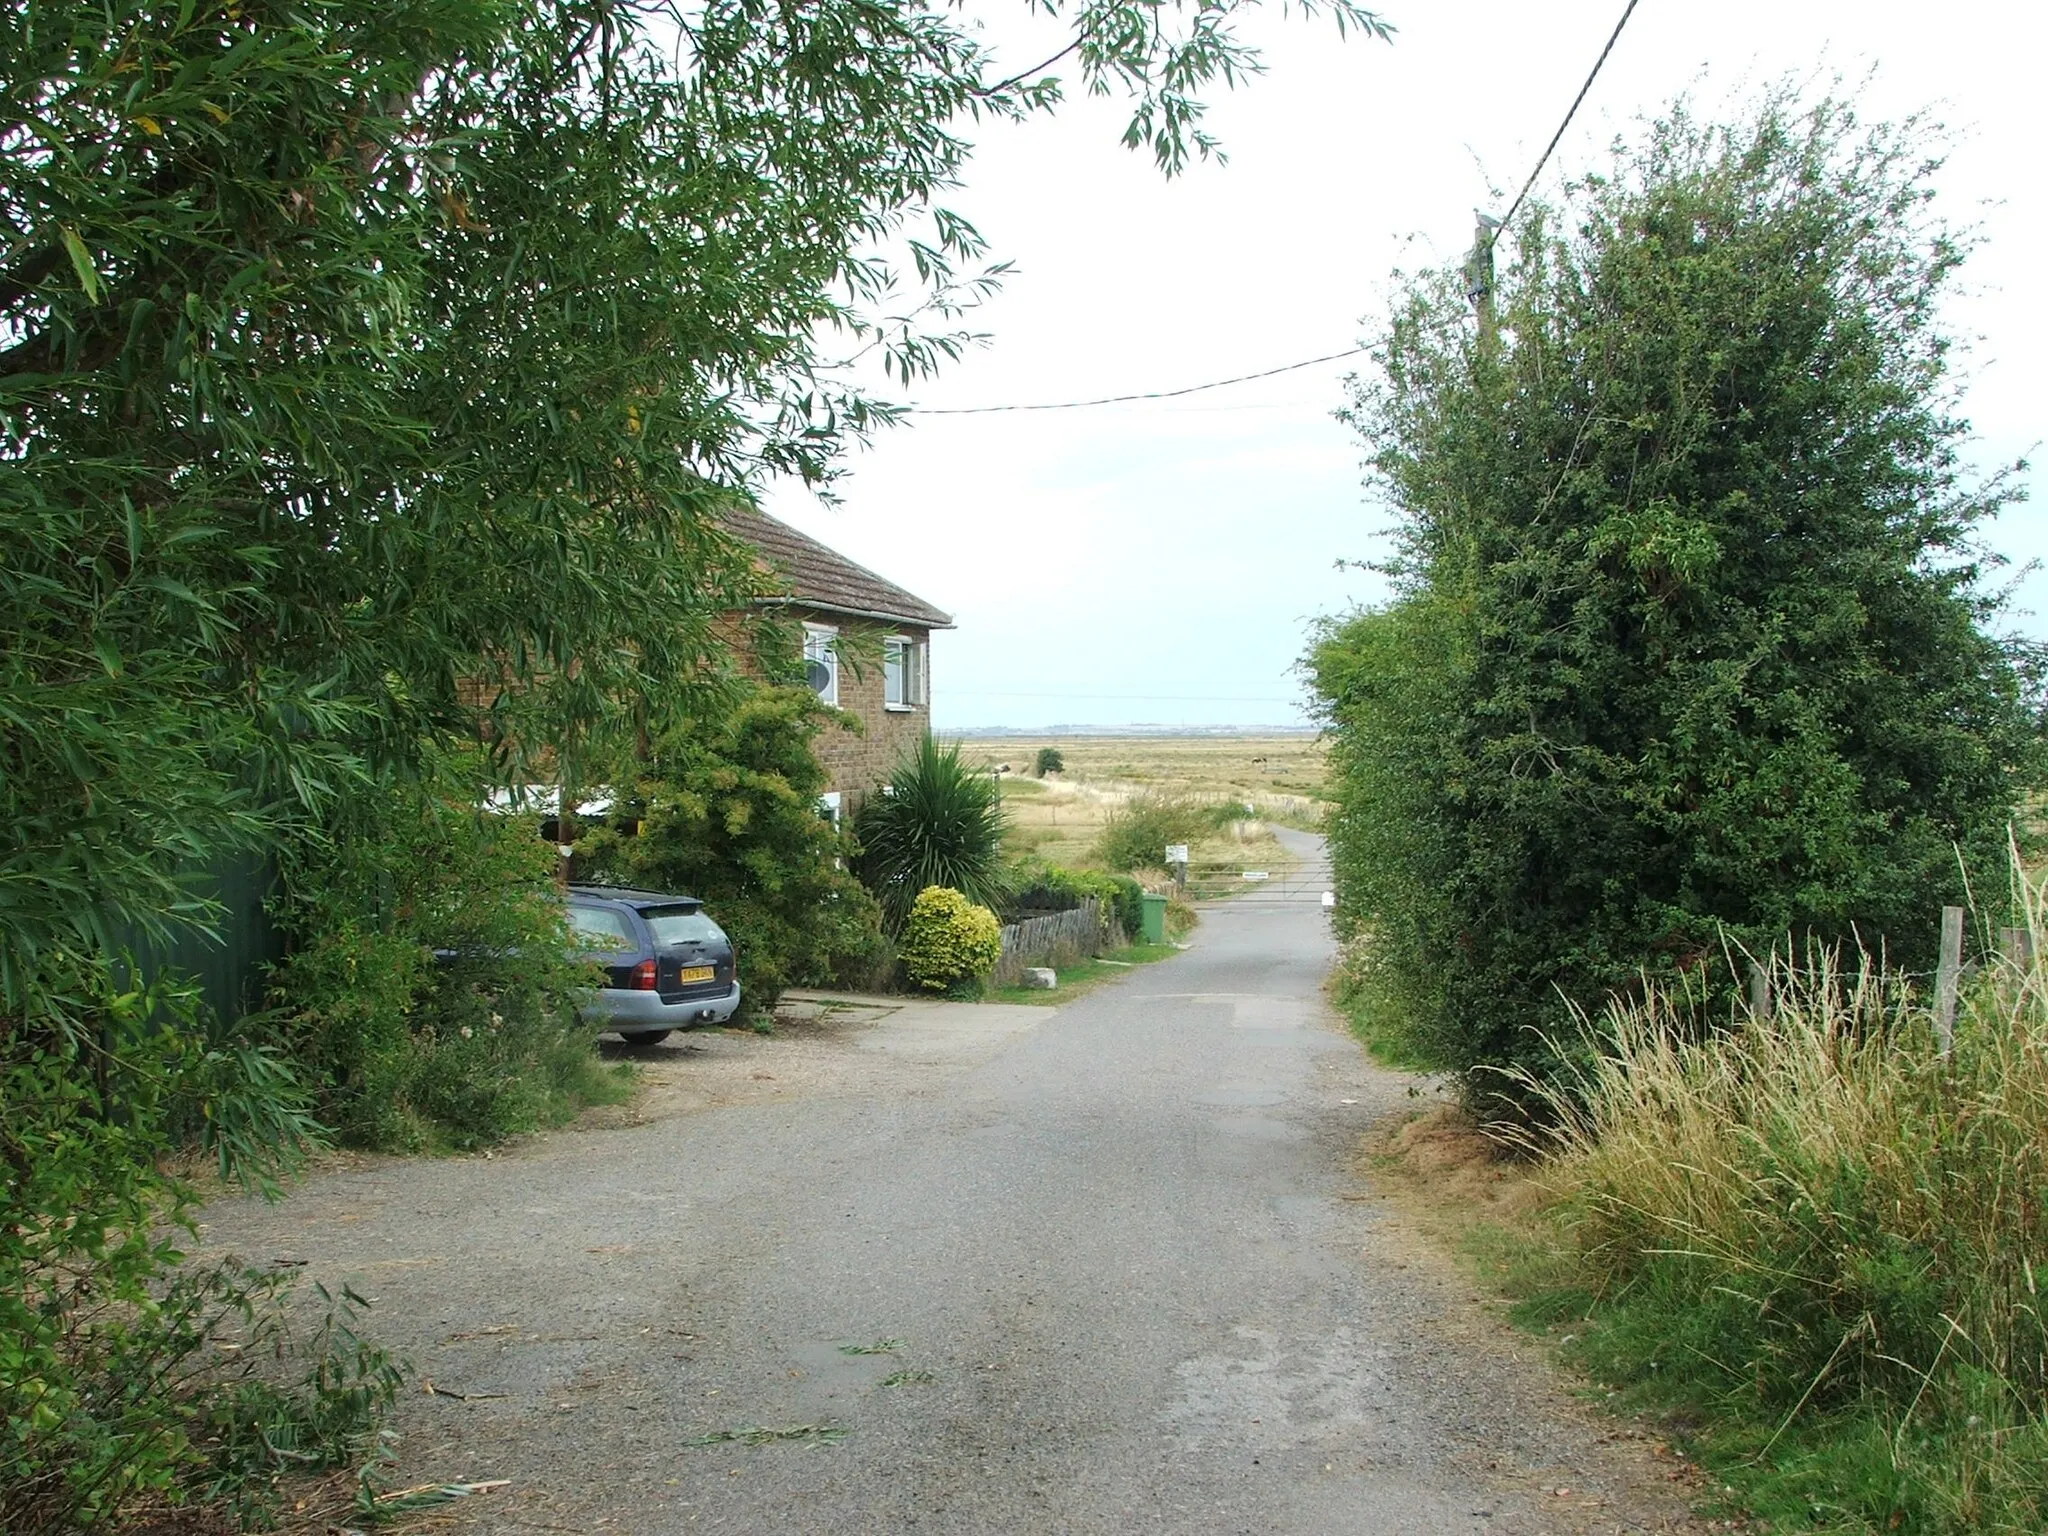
1107, 1269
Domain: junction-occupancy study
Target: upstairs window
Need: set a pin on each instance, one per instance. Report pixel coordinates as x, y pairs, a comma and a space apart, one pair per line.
903, 669
821, 661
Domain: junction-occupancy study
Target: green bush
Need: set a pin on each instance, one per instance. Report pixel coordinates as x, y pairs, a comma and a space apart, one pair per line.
1689, 643
124, 1381
936, 822
873, 967
410, 1050
1049, 760
1138, 832
949, 942
726, 808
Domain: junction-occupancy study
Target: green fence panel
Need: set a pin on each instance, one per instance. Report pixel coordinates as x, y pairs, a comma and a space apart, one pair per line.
230, 966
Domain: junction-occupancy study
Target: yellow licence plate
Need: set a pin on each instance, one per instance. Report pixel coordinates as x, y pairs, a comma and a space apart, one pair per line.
698, 973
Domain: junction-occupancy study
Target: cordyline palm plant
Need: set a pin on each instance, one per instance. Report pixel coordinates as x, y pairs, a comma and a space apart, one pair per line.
937, 822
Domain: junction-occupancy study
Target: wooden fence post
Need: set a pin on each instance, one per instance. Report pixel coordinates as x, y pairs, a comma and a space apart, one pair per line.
1759, 991
2016, 947
1947, 974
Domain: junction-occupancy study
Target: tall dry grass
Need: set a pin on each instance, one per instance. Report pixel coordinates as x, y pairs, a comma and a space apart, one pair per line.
1813, 1219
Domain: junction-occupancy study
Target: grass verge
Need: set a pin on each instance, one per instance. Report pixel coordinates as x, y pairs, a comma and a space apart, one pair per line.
1494, 1214
1372, 1022
1804, 1245
1086, 976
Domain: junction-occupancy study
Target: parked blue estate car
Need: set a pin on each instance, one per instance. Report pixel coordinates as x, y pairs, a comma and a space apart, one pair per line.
667, 964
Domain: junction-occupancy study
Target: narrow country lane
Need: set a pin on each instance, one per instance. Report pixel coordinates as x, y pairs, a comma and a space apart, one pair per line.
1115, 1264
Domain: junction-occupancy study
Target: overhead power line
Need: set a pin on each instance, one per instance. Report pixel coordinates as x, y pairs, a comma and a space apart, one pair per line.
1612, 38
1330, 357
1152, 394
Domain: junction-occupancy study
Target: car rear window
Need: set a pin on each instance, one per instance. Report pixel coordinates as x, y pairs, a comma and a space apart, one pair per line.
679, 925
601, 927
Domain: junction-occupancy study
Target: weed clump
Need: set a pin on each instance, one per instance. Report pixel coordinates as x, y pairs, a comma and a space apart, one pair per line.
129, 1384
1138, 833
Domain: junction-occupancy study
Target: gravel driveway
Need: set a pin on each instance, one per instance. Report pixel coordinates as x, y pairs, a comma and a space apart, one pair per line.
1101, 1270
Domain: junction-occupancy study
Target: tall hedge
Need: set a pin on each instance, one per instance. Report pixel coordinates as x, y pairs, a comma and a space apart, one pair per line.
1690, 642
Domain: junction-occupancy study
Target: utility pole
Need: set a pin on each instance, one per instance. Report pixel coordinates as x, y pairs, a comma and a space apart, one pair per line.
1479, 275
1479, 289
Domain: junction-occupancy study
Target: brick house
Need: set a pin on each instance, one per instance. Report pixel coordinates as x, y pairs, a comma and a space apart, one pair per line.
867, 649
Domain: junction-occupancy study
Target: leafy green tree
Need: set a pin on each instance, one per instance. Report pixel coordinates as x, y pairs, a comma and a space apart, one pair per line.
1691, 643
1049, 760
367, 369
936, 822
726, 808
364, 369
369, 377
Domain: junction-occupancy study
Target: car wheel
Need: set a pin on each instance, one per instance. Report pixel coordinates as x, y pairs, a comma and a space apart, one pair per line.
644, 1037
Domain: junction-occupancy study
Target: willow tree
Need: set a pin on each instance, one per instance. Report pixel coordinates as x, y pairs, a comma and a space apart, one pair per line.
367, 376
352, 355
1691, 645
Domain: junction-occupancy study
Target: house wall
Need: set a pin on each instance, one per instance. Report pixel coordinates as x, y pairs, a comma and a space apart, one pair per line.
856, 763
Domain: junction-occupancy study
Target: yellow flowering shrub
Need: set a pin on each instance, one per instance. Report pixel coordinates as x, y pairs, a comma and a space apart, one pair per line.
949, 940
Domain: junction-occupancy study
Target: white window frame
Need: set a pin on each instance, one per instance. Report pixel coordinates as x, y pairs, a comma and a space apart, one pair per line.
821, 643
829, 805
912, 666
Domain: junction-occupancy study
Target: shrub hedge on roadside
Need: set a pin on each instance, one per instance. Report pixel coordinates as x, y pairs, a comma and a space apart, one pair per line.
1041, 888
949, 942
431, 986
1690, 641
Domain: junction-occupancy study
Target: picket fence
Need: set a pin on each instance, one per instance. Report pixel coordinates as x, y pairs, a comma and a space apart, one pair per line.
1057, 939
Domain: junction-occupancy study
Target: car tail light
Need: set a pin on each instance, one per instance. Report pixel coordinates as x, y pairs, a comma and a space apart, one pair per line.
643, 976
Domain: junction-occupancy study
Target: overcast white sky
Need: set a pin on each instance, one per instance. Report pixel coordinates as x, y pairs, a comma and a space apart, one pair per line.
1161, 563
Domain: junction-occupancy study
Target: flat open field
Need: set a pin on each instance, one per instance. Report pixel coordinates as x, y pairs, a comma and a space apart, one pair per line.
1281, 776
1059, 819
